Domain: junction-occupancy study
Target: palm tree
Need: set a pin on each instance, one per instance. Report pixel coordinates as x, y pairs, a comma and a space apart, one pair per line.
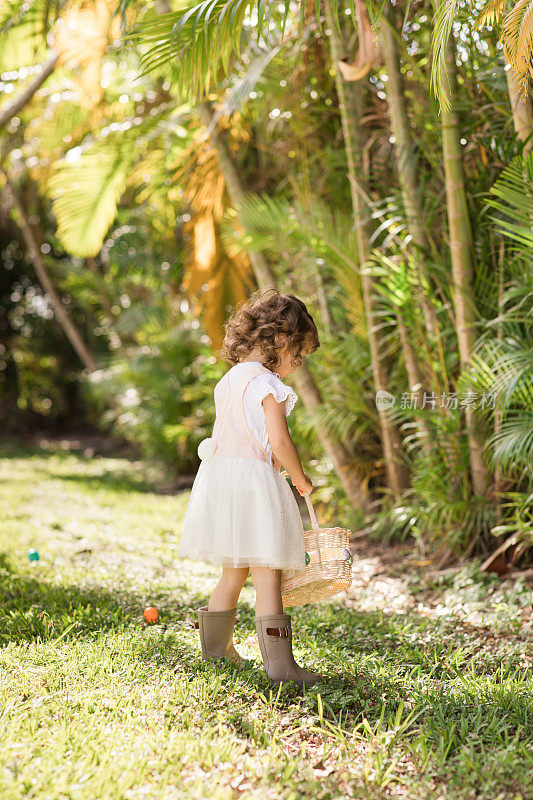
35, 24
71, 331
350, 106
406, 167
462, 259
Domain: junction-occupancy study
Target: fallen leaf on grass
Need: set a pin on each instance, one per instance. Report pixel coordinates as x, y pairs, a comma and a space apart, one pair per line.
321, 770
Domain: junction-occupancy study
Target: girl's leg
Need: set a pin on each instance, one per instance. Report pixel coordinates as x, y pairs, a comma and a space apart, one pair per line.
267, 584
226, 593
274, 630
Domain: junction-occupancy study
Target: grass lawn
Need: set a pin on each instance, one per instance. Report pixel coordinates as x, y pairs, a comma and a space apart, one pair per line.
430, 693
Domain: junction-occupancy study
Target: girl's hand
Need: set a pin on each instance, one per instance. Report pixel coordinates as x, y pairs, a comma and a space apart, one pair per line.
304, 486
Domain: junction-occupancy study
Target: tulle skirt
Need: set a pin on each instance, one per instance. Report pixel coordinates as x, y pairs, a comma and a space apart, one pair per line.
242, 513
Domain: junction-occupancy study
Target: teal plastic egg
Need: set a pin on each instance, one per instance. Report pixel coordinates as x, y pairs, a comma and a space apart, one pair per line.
307, 559
33, 554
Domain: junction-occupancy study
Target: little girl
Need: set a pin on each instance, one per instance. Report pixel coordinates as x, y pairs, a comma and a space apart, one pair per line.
242, 513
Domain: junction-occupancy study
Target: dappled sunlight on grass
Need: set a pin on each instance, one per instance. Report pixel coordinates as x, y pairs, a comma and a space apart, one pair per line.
98, 704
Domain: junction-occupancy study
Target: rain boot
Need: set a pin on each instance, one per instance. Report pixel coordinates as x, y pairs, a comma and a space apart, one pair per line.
274, 633
216, 634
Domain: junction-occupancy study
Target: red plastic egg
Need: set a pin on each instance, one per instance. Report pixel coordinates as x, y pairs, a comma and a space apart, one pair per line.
151, 615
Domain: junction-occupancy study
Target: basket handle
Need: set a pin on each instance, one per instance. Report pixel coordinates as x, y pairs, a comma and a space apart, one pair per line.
314, 521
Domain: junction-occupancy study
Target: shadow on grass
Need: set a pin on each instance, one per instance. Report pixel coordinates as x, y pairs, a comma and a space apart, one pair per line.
33, 609
380, 647
119, 479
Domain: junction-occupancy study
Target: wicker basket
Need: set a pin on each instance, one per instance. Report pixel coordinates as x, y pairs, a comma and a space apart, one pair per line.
328, 567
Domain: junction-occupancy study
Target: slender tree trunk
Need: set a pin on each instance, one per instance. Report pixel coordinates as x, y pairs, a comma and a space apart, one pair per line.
462, 257
13, 108
71, 331
265, 277
406, 168
522, 112
415, 379
350, 104
498, 476
407, 177
325, 310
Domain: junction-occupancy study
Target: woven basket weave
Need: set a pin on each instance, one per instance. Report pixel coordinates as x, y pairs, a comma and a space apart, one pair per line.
328, 567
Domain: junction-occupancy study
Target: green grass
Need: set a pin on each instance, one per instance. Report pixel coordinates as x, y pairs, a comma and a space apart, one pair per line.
94, 704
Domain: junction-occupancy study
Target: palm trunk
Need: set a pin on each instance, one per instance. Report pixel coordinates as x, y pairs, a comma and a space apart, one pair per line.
13, 108
498, 474
522, 112
350, 103
71, 331
323, 302
407, 177
406, 169
305, 384
462, 257
415, 379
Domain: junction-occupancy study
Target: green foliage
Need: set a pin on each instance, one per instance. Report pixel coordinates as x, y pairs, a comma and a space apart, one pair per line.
320, 236
85, 193
198, 42
159, 394
24, 25
515, 202
201, 39
444, 18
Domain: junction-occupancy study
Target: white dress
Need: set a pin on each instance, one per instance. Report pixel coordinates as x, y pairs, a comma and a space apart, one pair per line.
241, 512
256, 391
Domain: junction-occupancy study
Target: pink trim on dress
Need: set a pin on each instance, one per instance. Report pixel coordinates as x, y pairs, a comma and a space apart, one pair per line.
230, 431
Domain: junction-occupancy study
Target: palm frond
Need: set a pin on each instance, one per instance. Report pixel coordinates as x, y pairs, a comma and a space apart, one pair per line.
512, 446
439, 43
242, 86
23, 30
201, 39
491, 12
513, 189
87, 183
517, 35
85, 193
394, 281
275, 224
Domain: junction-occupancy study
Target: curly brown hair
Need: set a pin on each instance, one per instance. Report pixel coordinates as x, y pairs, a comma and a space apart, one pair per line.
269, 319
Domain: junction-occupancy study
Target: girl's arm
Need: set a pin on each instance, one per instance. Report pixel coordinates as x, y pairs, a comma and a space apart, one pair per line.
282, 445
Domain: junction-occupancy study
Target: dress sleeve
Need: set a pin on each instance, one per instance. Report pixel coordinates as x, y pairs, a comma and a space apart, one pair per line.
263, 385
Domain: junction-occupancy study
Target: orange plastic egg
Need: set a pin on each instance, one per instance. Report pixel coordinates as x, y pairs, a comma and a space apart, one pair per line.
151, 614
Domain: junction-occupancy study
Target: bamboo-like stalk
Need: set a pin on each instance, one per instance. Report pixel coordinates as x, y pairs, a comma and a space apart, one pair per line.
406, 169
407, 177
350, 106
71, 331
522, 109
264, 275
461, 257
415, 378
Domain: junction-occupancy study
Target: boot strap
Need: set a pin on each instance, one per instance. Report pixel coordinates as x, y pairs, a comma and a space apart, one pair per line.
282, 633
